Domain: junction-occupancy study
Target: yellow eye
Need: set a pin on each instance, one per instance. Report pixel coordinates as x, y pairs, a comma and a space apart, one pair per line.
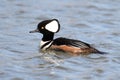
42, 27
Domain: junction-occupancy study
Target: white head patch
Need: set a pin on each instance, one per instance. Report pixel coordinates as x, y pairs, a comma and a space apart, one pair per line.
53, 26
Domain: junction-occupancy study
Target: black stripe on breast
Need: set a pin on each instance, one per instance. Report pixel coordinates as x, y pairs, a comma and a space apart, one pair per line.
46, 44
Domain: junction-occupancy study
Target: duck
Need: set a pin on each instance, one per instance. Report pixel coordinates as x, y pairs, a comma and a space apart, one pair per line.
69, 46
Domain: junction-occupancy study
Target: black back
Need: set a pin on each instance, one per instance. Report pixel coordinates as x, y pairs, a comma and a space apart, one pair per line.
70, 42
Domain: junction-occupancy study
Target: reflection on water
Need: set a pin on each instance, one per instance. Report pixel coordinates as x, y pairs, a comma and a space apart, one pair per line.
93, 21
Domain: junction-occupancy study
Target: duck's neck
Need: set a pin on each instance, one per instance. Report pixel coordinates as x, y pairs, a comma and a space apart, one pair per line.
46, 41
48, 37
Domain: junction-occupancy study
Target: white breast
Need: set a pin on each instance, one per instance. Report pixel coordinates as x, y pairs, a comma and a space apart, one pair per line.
45, 44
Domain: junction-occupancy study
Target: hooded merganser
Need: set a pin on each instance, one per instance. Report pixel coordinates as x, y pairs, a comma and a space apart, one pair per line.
71, 46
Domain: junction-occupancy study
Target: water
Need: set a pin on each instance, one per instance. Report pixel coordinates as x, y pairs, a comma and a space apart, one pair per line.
93, 21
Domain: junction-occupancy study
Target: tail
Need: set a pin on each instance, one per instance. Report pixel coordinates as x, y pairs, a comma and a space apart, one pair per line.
98, 52
92, 50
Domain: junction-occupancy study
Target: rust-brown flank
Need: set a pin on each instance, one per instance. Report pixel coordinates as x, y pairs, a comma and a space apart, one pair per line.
74, 50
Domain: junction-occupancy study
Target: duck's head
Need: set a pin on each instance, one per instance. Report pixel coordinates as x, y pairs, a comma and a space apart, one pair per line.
47, 26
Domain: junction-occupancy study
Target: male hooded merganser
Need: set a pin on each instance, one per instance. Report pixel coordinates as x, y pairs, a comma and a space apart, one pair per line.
71, 46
